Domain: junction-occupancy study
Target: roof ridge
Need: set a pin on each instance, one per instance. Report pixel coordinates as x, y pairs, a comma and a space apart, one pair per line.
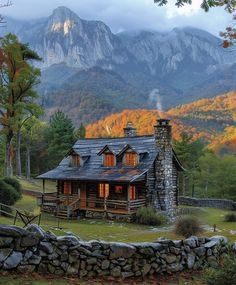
103, 138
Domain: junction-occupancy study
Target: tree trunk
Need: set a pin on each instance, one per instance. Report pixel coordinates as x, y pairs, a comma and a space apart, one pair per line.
28, 172
18, 154
8, 157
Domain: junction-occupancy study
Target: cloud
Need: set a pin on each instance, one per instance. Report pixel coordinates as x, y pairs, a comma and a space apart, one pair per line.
127, 14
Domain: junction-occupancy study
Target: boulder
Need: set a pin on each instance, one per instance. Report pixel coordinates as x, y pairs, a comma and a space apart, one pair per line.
146, 251
190, 260
27, 255
121, 250
127, 274
92, 260
5, 241
174, 267
83, 273
36, 230
25, 268
220, 239
46, 247
4, 253
29, 240
13, 260
116, 271
146, 268
12, 231
34, 259
200, 251
105, 264
171, 258
68, 240
191, 242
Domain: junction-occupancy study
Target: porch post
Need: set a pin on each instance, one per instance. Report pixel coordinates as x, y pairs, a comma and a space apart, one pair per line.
43, 186
105, 203
128, 198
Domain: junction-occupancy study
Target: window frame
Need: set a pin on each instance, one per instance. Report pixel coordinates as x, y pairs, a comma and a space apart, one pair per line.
134, 159
103, 190
132, 192
76, 160
109, 154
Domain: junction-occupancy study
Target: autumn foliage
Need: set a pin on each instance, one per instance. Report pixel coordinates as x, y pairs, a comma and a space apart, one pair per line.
211, 120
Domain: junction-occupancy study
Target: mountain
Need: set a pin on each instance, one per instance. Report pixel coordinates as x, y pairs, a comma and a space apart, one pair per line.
211, 120
184, 64
64, 37
92, 94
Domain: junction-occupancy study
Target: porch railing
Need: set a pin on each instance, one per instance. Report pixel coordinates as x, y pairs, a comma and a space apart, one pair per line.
108, 205
72, 202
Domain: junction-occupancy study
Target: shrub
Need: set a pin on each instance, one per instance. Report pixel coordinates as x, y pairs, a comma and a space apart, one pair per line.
230, 217
224, 274
187, 226
8, 194
14, 183
149, 216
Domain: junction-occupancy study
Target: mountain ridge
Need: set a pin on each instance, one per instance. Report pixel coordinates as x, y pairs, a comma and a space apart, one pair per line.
184, 64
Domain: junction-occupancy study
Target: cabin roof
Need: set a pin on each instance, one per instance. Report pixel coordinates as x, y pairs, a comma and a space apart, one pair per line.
93, 169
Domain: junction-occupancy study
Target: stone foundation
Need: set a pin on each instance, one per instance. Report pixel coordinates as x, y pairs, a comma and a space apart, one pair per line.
110, 216
32, 249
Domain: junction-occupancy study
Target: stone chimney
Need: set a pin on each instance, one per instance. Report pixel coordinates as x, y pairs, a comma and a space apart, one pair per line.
130, 131
164, 192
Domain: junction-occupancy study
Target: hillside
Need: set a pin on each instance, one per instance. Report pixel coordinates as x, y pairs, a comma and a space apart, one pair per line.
211, 120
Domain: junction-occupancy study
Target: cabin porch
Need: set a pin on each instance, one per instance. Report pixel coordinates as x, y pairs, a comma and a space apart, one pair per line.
76, 197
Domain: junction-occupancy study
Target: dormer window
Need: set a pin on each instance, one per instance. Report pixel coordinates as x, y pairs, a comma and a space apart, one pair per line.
75, 160
108, 159
130, 159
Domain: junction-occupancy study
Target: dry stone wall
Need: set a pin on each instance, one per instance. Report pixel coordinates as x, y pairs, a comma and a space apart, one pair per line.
209, 202
32, 249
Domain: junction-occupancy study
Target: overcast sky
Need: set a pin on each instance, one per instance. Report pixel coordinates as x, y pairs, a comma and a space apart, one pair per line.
122, 15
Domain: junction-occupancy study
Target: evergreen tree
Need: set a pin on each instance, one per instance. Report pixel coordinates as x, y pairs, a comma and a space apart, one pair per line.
189, 153
60, 137
81, 132
17, 79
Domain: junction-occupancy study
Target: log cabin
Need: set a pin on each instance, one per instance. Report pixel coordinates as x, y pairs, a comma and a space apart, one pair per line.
113, 177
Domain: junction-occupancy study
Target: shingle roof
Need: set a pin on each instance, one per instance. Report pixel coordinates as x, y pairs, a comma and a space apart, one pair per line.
93, 168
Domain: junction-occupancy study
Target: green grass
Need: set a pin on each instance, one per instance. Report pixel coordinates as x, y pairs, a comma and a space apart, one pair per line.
37, 185
89, 229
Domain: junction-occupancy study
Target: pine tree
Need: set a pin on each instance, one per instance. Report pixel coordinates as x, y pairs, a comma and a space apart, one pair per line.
17, 79
81, 132
60, 137
189, 152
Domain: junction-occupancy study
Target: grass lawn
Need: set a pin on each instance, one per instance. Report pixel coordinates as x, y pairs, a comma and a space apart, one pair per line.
89, 229
37, 185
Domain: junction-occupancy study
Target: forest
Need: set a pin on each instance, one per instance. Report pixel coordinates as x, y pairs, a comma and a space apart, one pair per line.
204, 131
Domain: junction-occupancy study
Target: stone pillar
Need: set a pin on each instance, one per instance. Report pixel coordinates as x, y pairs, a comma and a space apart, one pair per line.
164, 195
130, 131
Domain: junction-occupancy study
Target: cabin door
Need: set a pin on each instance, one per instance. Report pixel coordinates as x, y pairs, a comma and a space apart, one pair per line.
82, 195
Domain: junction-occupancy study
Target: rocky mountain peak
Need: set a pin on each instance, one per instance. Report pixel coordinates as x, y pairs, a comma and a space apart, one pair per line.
63, 13
62, 19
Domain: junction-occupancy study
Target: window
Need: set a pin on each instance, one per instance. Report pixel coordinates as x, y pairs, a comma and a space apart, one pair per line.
75, 160
130, 159
109, 159
67, 188
132, 192
103, 190
118, 189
